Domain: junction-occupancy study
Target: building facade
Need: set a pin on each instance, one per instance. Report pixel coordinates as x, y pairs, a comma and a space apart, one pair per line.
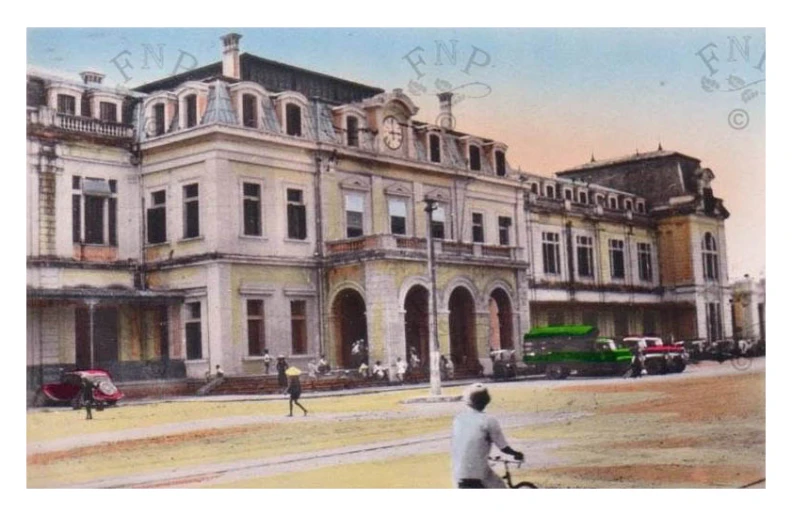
250, 205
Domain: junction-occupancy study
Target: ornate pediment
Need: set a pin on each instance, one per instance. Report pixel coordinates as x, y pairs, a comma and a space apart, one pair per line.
356, 183
398, 189
439, 195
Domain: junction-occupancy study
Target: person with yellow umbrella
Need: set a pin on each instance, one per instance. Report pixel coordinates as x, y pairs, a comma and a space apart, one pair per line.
294, 390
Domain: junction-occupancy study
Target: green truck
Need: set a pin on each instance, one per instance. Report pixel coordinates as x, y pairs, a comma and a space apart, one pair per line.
557, 351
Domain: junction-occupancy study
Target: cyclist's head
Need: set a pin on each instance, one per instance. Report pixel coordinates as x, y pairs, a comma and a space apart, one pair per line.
477, 396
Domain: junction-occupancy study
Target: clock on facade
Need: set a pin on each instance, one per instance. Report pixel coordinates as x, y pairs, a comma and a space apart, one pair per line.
392, 133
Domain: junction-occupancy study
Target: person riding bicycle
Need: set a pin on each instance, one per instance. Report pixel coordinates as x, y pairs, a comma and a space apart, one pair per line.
472, 436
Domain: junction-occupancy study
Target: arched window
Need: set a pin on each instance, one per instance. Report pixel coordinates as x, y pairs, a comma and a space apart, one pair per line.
159, 118
613, 203
550, 191
582, 198
475, 158
709, 252
628, 205
434, 148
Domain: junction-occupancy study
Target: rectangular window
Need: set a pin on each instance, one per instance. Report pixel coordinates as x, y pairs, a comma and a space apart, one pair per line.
159, 119
299, 328
67, 104
249, 111
94, 219
108, 112
434, 148
438, 223
112, 221
585, 256
550, 191
295, 213
645, 262
354, 215
500, 163
192, 330
714, 321
551, 257
293, 120
191, 211
568, 195
155, 218
583, 198
504, 223
352, 131
397, 209
478, 227
475, 158
616, 252
76, 218
191, 108
251, 207
255, 326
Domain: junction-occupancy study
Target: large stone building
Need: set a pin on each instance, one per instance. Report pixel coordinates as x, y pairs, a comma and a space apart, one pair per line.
251, 205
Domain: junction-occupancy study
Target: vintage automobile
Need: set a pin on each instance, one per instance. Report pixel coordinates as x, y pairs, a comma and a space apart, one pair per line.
67, 391
659, 358
504, 364
558, 351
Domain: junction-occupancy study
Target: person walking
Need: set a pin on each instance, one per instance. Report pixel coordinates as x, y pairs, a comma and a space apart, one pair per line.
294, 390
267, 360
281, 367
473, 433
401, 369
87, 396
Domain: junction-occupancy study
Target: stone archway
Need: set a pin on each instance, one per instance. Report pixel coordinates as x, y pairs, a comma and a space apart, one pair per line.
416, 323
462, 328
500, 320
349, 325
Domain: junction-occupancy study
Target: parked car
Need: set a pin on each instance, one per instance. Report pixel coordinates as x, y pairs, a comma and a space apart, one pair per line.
658, 357
67, 390
504, 364
558, 351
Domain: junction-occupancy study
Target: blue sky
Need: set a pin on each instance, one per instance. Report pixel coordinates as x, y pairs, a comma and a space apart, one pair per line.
555, 96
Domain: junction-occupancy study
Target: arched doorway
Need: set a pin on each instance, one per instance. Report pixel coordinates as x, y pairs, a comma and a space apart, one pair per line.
500, 319
349, 325
462, 327
416, 323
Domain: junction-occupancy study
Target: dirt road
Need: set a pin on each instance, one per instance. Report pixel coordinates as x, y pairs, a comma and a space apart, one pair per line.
704, 428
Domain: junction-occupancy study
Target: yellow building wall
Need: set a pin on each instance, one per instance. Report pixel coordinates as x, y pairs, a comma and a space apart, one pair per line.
675, 256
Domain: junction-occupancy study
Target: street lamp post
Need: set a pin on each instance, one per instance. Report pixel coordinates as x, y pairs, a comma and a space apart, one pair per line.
91, 307
434, 345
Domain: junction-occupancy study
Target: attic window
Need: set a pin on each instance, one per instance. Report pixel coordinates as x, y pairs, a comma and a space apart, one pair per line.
352, 131
293, 120
108, 112
249, 111
475, 158
613, 204
582, 198
535, 188
639, 206
434, 148
628, 205
500, 163
550, 191
159, 119
191, 110
567, 194
67, 104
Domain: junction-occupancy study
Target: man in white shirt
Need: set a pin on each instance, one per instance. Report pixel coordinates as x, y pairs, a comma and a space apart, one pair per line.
401, 368
472, 436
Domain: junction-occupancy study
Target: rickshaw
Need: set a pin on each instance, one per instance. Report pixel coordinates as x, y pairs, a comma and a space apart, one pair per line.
67, 391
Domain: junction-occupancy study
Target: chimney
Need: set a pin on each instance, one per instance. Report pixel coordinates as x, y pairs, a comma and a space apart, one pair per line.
91, 77
231, 55
445, 117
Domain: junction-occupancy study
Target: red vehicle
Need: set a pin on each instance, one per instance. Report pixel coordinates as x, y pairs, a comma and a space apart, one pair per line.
67, 391
659, 358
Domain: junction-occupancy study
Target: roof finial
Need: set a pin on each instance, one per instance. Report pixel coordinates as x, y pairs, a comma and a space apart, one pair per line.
592, 157
659, 145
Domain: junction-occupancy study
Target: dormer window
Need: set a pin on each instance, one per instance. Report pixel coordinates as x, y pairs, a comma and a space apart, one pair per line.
500, 163
67, 104
434, 148
293, 120
159, 119
249, 110
535, 188
475, 158
352, 131
550, 191
582, 198
639, 206
600, 199
191, 110
613, 204
628, 205
108, 112
567, 194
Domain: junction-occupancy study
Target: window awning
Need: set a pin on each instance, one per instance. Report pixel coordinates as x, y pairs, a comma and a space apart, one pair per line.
96, 187
106, 295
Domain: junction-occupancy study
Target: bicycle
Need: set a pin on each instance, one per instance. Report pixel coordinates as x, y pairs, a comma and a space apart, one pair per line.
507, 475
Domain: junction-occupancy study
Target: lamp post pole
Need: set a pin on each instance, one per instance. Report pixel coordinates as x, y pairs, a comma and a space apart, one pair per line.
434, 345
91, 308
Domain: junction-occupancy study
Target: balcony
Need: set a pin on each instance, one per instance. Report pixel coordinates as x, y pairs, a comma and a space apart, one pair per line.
49, 118
404, 244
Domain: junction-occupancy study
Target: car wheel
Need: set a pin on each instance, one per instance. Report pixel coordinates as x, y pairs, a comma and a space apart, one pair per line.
679, 365
554, 372
655, 367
